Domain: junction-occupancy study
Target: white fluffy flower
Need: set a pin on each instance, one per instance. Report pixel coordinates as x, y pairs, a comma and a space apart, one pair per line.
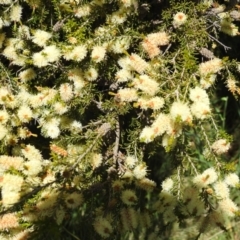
210, 67
52, 53
120, 45
24, 114
52, 131
98, 53
155, 103
127, 94
11, 183
182, 111
91, 74
78, 53
228, 207
232, 179
138, 64
209, 176
167, 184
83, 11
220, 146
123, 75
118, 17
131, 161
198, 94
27, 75
40, 59
221, 189
66, 92
60, 108
32, 167
179, 19
140, 171
147, 134
5, 2
76, 126
125, 63
16, 13
207, 82
146, 84
31, 153
51, 128
40, 37
9, 197
200, 110
96, 160
158, 38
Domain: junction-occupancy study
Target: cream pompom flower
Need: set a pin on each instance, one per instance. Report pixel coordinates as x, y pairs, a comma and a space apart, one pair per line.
179, 19
24, 114
127, 94
200, 110
220, 146
209, 176
228, 207
40, 37
98, 53
167, 184
210, 67
232, 179
16, 13
52, 53
198, 94
182, 111
146, 84
140, 171
66, 92
78, 53
147, 135
27, 75
221, 189
40, 59
138, 64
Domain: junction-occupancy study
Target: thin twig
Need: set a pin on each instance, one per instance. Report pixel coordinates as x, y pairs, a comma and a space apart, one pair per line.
105, 127
216, 234
193, 166
116, 145
209, 146
74, 236
224, 46
167, 49
179, 182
